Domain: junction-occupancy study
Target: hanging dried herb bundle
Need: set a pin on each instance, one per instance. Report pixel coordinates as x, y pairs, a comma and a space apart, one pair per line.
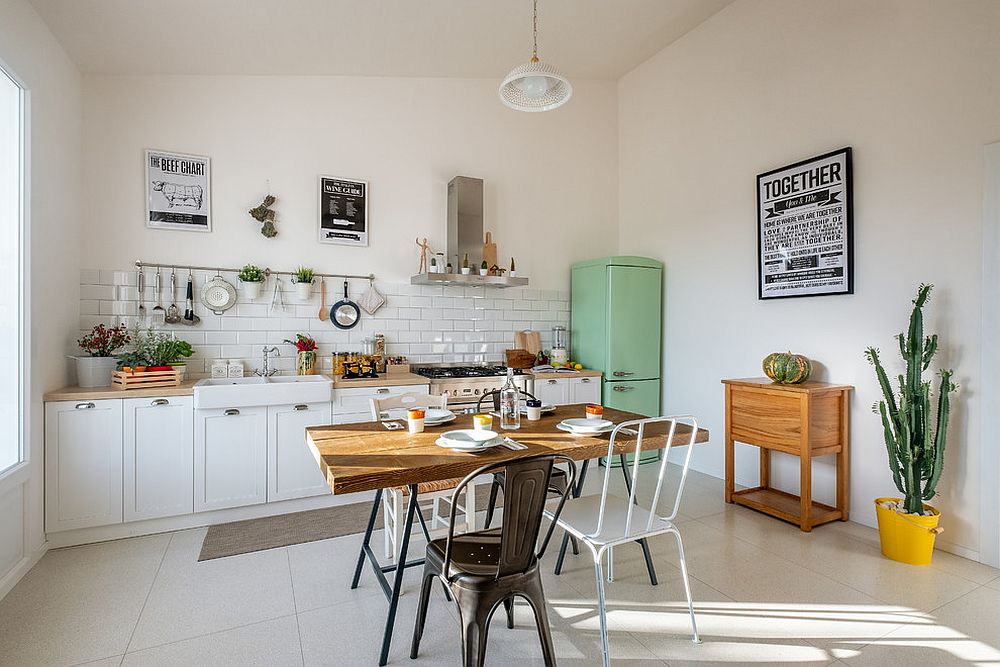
264, 214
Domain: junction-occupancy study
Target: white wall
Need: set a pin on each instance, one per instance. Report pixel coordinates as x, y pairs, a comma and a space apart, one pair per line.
29, 50
911, 85
551, 179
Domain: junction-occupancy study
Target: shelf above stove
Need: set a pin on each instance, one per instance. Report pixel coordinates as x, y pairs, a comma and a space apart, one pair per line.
471, 280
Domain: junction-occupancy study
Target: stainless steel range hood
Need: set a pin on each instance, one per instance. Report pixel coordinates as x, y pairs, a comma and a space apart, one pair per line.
465, 237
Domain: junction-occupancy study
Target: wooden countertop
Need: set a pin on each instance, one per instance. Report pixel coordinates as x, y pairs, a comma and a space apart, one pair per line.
383, 380
98, 393
556, 375
806, 387
363, 457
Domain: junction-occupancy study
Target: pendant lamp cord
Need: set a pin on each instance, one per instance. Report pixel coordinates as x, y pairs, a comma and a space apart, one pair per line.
534, 26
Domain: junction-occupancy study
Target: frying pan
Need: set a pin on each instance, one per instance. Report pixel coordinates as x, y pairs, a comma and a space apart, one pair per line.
345, 314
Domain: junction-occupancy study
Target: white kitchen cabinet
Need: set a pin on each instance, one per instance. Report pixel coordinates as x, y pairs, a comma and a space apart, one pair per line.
553, 390
292, 470
158, 455
585, 390
83, 464
353, 404
230, 457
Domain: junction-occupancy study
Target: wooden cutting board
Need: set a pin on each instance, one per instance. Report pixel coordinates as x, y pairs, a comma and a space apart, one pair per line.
528, 340
489, 250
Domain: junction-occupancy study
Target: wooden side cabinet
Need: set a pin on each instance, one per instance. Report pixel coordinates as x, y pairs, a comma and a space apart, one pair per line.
805, 420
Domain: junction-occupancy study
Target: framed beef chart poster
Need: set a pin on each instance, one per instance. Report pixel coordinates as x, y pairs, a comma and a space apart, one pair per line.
178, 191
343, 211
805, 244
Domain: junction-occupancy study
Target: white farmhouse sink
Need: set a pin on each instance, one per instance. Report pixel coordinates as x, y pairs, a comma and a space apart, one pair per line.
214, 393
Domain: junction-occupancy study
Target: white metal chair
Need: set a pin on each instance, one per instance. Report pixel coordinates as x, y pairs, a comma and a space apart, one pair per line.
394, 500
602, 521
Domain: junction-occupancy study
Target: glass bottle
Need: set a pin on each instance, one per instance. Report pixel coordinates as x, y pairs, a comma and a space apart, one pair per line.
510, 415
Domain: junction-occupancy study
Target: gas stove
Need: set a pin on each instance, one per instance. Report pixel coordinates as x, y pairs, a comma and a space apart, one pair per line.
464, 385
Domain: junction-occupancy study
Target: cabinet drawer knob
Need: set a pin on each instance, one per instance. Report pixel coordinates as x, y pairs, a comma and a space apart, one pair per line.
301, 406
383, 390
622, 374
232, 412
625, 387
160, 401
85, 406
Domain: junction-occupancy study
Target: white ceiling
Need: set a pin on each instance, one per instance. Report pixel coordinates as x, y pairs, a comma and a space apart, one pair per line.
598, 39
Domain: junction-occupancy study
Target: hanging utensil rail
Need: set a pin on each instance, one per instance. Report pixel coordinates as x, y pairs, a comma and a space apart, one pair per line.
139, 264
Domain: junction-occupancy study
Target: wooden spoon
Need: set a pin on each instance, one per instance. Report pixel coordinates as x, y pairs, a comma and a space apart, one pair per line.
324, 314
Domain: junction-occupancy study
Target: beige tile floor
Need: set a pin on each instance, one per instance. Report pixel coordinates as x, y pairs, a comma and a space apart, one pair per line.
766, 594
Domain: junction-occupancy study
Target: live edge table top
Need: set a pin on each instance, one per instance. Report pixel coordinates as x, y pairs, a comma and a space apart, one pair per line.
367, 456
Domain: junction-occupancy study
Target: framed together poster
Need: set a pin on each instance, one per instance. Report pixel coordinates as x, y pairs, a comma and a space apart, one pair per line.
178, 191
805, 235
343, 211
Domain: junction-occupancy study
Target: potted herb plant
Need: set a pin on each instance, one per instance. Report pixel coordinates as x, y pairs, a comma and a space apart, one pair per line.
907, 526
154, 351
466, 269
252, 278
304, 283
305, 362
484, 268
513, 271
96, 368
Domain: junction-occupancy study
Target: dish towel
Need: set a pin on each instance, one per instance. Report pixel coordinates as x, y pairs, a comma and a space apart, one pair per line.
372, 299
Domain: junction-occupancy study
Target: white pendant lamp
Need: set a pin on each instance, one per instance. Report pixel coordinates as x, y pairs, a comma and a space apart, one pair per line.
535, 86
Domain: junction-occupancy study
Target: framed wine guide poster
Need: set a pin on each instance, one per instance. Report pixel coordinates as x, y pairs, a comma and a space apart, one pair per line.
805, 234
343, 211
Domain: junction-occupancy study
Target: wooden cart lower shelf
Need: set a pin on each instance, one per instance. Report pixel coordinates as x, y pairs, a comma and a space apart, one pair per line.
785, 506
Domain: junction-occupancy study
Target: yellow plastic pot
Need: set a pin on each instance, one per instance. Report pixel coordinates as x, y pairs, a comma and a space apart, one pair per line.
904, 537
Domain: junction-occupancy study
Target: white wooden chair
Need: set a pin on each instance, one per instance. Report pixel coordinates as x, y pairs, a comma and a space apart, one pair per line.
394, 499
603, 520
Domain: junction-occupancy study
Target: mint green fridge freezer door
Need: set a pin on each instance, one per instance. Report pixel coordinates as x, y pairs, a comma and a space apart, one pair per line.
643, 397
635, 298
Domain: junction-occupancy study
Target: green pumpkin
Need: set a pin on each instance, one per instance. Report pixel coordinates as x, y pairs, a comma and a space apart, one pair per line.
787, 368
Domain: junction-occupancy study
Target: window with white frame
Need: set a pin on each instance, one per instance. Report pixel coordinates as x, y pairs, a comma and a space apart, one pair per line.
11, 272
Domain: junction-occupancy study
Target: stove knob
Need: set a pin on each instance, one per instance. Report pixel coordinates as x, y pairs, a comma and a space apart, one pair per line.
477, 392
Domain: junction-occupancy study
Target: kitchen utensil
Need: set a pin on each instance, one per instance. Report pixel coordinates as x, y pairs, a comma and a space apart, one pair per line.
489, 251
559, 354
278, 295
140, 282
513, 445
372, 299
393, 426
218, 294
173, 315
159, 314
528, 340
345, 314
190, 319
324, 314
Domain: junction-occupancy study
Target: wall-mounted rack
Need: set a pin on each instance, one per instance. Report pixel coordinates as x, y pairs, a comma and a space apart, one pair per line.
140, 265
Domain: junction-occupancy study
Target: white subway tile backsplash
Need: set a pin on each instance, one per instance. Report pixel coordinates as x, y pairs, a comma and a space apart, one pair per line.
428, 324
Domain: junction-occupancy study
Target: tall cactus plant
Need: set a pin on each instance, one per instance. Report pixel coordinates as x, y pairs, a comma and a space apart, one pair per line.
916, 447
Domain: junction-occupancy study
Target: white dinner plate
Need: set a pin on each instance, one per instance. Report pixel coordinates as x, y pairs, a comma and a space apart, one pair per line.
431, 415
481, 448
563, 427
468, 438
587, 425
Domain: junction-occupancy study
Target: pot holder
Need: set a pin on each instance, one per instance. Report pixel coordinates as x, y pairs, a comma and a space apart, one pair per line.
371, 300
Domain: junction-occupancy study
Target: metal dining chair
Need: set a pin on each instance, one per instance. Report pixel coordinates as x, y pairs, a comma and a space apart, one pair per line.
394, 500
603, 520
487, 568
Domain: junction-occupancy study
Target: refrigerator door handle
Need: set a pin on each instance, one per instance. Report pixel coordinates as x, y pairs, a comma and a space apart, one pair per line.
623, 374
623, 387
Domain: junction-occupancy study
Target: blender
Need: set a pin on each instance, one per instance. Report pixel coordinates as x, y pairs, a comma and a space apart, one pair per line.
560, 352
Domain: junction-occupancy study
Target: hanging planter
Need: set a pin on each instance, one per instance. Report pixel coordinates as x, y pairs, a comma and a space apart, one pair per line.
252, 277
304, 279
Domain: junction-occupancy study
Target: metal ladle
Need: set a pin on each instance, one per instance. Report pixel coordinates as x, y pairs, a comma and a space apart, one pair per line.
173, 315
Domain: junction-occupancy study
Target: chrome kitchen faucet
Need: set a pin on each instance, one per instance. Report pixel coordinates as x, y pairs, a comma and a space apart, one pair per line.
267, 371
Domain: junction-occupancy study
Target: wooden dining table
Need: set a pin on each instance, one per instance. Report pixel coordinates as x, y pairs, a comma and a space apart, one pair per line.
369, 457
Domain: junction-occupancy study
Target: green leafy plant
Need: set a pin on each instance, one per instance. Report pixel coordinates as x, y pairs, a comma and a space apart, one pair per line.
304, 275
154, 348
484, 266
251, 274
104, 341
915, 445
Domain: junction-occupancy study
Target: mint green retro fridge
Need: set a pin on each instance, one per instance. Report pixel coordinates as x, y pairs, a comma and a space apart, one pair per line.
616, 323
